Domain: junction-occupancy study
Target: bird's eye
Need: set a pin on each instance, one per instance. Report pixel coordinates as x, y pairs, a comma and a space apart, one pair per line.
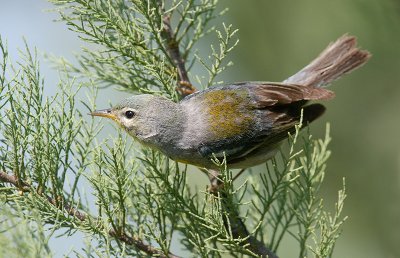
129, 114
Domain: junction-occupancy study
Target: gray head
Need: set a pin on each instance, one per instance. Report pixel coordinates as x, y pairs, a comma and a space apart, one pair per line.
145, 116
129, 113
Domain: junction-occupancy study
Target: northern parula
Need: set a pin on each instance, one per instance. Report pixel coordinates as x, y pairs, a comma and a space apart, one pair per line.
244, 122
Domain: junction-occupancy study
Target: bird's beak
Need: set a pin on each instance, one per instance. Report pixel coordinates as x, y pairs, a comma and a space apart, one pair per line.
104, 113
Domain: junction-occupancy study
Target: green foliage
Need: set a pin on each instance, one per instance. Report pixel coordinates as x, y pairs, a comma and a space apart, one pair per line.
44, 141
129, 41
141, 202
217, 57
23, 237
288, 201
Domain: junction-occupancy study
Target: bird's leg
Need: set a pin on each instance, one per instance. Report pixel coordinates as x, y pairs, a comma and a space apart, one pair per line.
216, 182
185, 88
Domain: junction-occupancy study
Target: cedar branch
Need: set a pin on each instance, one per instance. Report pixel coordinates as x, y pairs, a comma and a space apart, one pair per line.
172, 46
70, 210
237, 227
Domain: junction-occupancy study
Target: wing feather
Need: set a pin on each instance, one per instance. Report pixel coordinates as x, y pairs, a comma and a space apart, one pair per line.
277, 107
271, 94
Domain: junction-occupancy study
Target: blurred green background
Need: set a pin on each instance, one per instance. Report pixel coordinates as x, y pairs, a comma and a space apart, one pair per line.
277, 38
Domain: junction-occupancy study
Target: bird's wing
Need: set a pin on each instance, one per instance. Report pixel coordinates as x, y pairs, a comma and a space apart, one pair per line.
265, 136
266, 94
265, 115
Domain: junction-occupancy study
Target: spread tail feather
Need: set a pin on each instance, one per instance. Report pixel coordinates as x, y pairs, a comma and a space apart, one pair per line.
339, 58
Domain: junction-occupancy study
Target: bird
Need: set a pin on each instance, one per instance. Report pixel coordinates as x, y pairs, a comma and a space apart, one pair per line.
244, 123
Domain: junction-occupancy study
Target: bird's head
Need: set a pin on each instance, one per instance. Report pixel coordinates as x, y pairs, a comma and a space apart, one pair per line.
131, 114
148, 118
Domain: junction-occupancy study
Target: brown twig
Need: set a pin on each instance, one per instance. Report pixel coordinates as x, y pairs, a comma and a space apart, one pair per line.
235, 224
132, 240
12, 179
70, 210
172, 46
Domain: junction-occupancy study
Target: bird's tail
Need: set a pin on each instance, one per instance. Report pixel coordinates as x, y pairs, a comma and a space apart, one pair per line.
339, 58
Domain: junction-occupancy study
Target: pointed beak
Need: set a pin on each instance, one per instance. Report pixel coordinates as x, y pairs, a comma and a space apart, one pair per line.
104, 113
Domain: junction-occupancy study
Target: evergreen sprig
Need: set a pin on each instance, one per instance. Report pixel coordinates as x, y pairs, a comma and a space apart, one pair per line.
135, 46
